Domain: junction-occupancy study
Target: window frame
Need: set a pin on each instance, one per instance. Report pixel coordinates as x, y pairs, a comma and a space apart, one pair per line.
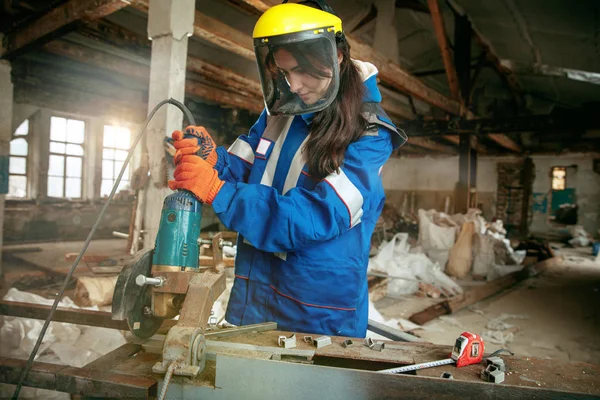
26, 157
84, 145
552, 178
101, 159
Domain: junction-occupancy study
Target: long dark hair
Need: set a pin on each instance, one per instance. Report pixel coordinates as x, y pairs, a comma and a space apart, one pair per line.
341, 123
335, 127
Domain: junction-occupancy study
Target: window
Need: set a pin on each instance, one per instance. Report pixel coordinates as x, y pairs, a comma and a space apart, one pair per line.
116, 143
17, 167
65, 167
559, 178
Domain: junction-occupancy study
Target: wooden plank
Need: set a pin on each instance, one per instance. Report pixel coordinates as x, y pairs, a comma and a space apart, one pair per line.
62, 314
57, 21
505, 142
440, 34
115, 357
139, 71
224, 76
41, 375
482, 292
431, 145
216, 32
77, 316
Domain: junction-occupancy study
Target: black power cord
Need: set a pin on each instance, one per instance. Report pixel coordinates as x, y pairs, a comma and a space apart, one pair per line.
188, 115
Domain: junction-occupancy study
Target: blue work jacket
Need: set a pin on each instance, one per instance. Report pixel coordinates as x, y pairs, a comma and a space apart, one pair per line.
303, 244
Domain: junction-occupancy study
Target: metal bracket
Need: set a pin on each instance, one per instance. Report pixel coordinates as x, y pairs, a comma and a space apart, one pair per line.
287, 342
494, 371
322, 341
347, 343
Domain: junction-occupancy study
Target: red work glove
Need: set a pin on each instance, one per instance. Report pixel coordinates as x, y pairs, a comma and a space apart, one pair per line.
197, 176
204, 146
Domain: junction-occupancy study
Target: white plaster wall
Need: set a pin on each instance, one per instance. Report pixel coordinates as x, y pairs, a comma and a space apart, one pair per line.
436, 173
426, 173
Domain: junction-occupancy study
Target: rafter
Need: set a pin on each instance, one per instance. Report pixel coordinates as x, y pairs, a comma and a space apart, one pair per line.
222, 95
440, 33
57, 21
431, 145
392, 74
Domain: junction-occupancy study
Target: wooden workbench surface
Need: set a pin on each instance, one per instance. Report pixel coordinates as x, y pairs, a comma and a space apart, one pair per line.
520, 371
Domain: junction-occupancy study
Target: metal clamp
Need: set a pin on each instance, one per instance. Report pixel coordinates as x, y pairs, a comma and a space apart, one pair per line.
494, 371
287, 342
322, 341
378, 346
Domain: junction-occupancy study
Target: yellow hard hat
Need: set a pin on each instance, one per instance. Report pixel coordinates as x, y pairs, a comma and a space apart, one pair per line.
289, 18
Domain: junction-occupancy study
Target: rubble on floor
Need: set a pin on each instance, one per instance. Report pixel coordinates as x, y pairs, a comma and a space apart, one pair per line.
444, 252
63, 344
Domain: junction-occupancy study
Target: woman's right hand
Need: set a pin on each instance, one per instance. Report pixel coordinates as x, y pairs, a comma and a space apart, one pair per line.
196, 140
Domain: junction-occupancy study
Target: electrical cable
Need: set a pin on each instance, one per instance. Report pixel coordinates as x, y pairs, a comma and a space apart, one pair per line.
167, 380
188, 115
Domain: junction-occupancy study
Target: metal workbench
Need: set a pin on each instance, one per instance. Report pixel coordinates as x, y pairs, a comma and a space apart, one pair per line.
243, 366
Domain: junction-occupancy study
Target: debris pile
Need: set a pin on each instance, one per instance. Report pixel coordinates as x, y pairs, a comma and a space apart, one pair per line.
64, 344
446, 248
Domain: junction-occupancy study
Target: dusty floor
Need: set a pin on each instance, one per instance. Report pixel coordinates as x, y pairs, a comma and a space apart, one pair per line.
560, 310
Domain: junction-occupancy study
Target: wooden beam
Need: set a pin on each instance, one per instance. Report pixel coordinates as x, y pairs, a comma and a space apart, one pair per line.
225, 76
505, 142
478, 293
57, 21
462, 55
392, 74
440, 33
140, 71
431, 145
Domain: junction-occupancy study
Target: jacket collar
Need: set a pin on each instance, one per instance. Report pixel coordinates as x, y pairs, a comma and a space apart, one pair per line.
368, 73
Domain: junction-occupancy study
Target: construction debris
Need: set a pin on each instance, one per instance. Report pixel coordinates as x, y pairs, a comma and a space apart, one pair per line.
407, 269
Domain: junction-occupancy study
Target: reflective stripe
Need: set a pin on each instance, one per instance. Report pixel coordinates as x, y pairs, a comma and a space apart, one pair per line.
269, 174
243, 150
282, 255
348, 193
291, 180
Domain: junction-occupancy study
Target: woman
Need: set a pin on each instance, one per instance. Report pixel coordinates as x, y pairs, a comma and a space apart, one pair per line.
302, 189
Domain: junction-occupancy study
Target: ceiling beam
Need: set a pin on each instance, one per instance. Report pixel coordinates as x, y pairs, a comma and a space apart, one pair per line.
392, 74
56, 22
431, 145
440, 33
505, 142
222, 95
484, 126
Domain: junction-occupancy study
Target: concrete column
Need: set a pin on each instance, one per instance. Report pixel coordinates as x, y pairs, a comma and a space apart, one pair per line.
170, 23
6, 114
386, 34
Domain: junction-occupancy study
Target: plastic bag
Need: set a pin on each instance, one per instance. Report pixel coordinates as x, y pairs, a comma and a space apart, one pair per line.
437, 233
407, 269
461, 254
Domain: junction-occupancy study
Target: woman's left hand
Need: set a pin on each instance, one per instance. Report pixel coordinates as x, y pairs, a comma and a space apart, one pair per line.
197, 176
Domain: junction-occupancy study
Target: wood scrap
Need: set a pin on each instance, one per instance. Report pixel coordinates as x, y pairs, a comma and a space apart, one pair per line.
95, 291
472, 296
429, 290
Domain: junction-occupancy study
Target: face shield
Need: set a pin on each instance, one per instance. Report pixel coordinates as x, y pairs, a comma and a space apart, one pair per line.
299, 72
